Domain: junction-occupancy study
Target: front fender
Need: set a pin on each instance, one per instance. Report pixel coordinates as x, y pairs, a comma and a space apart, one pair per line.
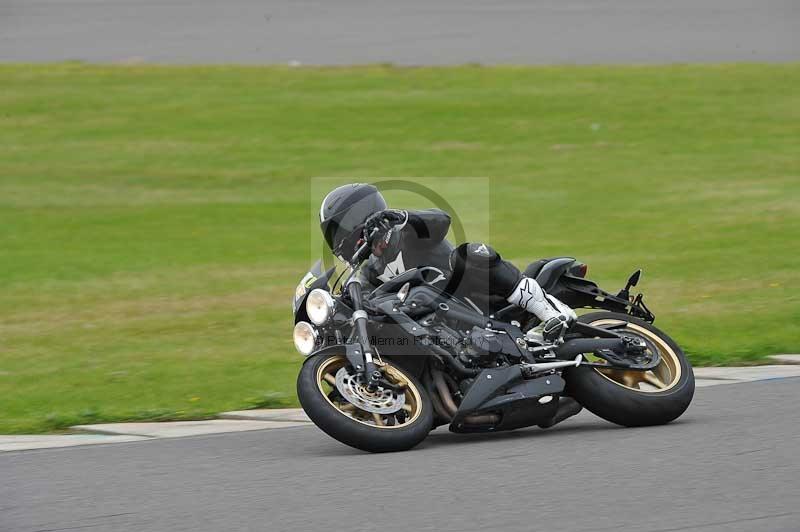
353, 352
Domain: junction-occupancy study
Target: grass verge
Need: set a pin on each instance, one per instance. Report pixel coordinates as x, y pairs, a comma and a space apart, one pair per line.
154, 220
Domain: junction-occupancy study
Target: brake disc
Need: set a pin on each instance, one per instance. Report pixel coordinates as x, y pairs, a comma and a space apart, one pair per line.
354, 389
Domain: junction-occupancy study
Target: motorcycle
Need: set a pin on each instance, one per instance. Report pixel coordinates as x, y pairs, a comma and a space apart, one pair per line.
385, 367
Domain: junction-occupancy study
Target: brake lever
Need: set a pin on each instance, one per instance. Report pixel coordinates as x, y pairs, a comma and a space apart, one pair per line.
365, 249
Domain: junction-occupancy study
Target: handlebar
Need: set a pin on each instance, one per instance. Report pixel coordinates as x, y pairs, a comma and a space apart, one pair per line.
363, 252
370, 371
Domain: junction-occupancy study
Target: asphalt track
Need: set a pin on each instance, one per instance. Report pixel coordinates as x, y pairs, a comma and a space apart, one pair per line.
412, 32
729, 464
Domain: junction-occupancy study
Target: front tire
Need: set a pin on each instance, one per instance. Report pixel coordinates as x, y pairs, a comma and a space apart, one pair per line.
634, 398
357, 425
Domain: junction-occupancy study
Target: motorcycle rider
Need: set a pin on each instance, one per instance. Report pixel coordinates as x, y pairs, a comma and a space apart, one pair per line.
409, 239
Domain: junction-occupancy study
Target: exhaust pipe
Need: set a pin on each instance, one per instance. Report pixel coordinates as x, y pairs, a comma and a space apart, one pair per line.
438, 407
445, 399
567, 407
482, 419
444, 393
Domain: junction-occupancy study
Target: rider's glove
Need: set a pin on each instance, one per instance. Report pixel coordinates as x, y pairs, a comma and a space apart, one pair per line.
554, 328
384, 222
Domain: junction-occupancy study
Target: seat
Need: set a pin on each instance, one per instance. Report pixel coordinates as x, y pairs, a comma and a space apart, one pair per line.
534, 268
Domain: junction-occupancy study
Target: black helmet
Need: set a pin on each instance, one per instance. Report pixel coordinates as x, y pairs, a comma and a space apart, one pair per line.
343, 213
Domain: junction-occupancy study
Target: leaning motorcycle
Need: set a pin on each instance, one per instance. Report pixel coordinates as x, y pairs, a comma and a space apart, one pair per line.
385, 367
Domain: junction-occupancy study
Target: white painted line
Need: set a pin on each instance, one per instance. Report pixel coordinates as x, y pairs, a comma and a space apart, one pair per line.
268, 414
786, 359
260, 419
179, 429
49, 441
746, 374
702, 383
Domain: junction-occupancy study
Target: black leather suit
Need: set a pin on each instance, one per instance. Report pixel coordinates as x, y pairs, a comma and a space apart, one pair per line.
476, 268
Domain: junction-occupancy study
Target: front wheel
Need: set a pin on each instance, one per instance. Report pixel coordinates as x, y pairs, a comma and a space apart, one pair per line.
634, 398
383, 420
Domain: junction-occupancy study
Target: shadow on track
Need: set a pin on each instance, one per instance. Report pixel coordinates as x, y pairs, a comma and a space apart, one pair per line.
441, 438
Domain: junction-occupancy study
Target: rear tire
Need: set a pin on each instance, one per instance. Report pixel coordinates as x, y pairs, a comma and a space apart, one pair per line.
605, 393
356, 431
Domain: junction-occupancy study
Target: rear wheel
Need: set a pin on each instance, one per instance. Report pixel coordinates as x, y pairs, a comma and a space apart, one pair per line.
630, 397
338, 401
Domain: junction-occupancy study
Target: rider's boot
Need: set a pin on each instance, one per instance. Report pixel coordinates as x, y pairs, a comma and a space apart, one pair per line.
556, 317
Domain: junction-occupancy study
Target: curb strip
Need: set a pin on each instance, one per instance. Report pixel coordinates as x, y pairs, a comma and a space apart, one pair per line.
785, 366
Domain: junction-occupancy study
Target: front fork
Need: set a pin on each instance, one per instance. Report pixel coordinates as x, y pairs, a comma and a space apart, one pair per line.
364, 363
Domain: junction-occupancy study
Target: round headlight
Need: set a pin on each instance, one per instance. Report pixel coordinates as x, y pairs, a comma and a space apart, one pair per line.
305, 337
319, 306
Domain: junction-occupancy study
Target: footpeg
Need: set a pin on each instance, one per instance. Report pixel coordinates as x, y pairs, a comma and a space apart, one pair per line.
531, 370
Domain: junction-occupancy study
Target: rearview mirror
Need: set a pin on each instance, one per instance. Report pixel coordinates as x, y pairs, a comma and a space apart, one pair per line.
634, 279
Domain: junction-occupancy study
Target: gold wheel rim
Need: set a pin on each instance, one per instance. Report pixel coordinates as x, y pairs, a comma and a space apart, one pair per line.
659, 379
326, 378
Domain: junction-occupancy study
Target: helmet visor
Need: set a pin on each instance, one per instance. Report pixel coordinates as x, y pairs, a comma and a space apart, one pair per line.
343, 214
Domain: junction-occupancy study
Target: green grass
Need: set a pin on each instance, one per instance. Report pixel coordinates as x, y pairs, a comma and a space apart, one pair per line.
154, 220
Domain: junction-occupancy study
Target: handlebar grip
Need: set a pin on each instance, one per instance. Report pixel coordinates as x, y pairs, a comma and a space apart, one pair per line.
361, 253
365, 250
